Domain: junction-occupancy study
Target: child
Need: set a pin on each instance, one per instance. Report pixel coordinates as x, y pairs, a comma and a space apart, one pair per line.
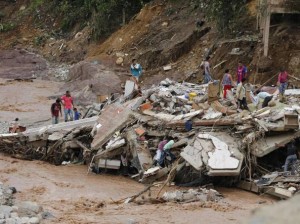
77, 115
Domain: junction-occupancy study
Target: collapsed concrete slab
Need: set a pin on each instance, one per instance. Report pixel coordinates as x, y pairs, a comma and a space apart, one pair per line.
113, 118
44, 132
216, 152
268, 144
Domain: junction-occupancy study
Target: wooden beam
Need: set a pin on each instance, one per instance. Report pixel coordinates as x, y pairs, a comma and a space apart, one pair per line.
267, 31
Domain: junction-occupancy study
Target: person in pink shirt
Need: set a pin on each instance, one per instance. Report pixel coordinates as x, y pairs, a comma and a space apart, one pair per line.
282, 83
67, 101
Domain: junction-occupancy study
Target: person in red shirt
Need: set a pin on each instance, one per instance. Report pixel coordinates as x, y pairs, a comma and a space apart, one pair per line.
282, 83
67, 101
55, 110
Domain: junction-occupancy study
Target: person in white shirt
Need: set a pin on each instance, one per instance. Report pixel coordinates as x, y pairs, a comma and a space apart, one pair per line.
267, 97
241, 95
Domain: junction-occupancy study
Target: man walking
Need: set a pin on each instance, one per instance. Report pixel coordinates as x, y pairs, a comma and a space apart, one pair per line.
55, 110
206, 66
241, 72
282, 83
67, 101
136, 70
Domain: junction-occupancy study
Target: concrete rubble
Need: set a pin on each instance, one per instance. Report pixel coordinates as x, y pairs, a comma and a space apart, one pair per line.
208, 140
12, 211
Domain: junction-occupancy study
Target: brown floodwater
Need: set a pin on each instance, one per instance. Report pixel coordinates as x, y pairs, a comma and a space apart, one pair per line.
73, 196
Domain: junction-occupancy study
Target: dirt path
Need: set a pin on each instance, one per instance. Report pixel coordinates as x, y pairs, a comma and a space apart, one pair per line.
72, 196
27, 100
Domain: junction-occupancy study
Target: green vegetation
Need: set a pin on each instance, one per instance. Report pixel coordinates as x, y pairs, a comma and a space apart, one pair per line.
2, 15
36, 3
103, 16
226, 14
4, 27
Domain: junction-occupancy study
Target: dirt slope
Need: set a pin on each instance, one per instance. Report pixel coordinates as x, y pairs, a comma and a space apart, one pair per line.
163, 33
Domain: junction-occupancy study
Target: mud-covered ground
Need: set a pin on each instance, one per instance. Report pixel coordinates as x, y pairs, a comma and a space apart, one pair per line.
28, 101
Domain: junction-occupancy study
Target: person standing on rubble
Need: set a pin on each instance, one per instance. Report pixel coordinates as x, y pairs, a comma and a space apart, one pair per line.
241, 72
206, 66
136, 70
291, 155
55, 111
227, 83
282, 83
67, 101
241, 95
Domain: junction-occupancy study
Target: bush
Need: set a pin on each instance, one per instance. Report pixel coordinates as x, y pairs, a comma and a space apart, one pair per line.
4, 27
226, 14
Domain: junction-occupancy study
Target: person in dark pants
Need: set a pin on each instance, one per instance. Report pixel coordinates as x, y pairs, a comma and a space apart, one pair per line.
267, 97
266, 101
291, 155
241, 95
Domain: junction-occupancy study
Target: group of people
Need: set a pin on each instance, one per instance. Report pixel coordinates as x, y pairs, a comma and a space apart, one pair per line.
70, 112
242, 75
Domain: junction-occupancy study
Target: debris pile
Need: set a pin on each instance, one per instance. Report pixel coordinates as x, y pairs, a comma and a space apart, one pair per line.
180, 132
192, 195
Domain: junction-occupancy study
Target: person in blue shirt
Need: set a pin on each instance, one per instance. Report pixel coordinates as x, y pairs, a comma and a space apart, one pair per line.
136, 70
77, 115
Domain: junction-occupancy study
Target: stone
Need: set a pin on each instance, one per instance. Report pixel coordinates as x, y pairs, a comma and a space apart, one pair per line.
129, 88
2, 216
119, 61
211, 195
28, 208
10, 221
25, 220
34, 220
18, 220
14, 215
6, 210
